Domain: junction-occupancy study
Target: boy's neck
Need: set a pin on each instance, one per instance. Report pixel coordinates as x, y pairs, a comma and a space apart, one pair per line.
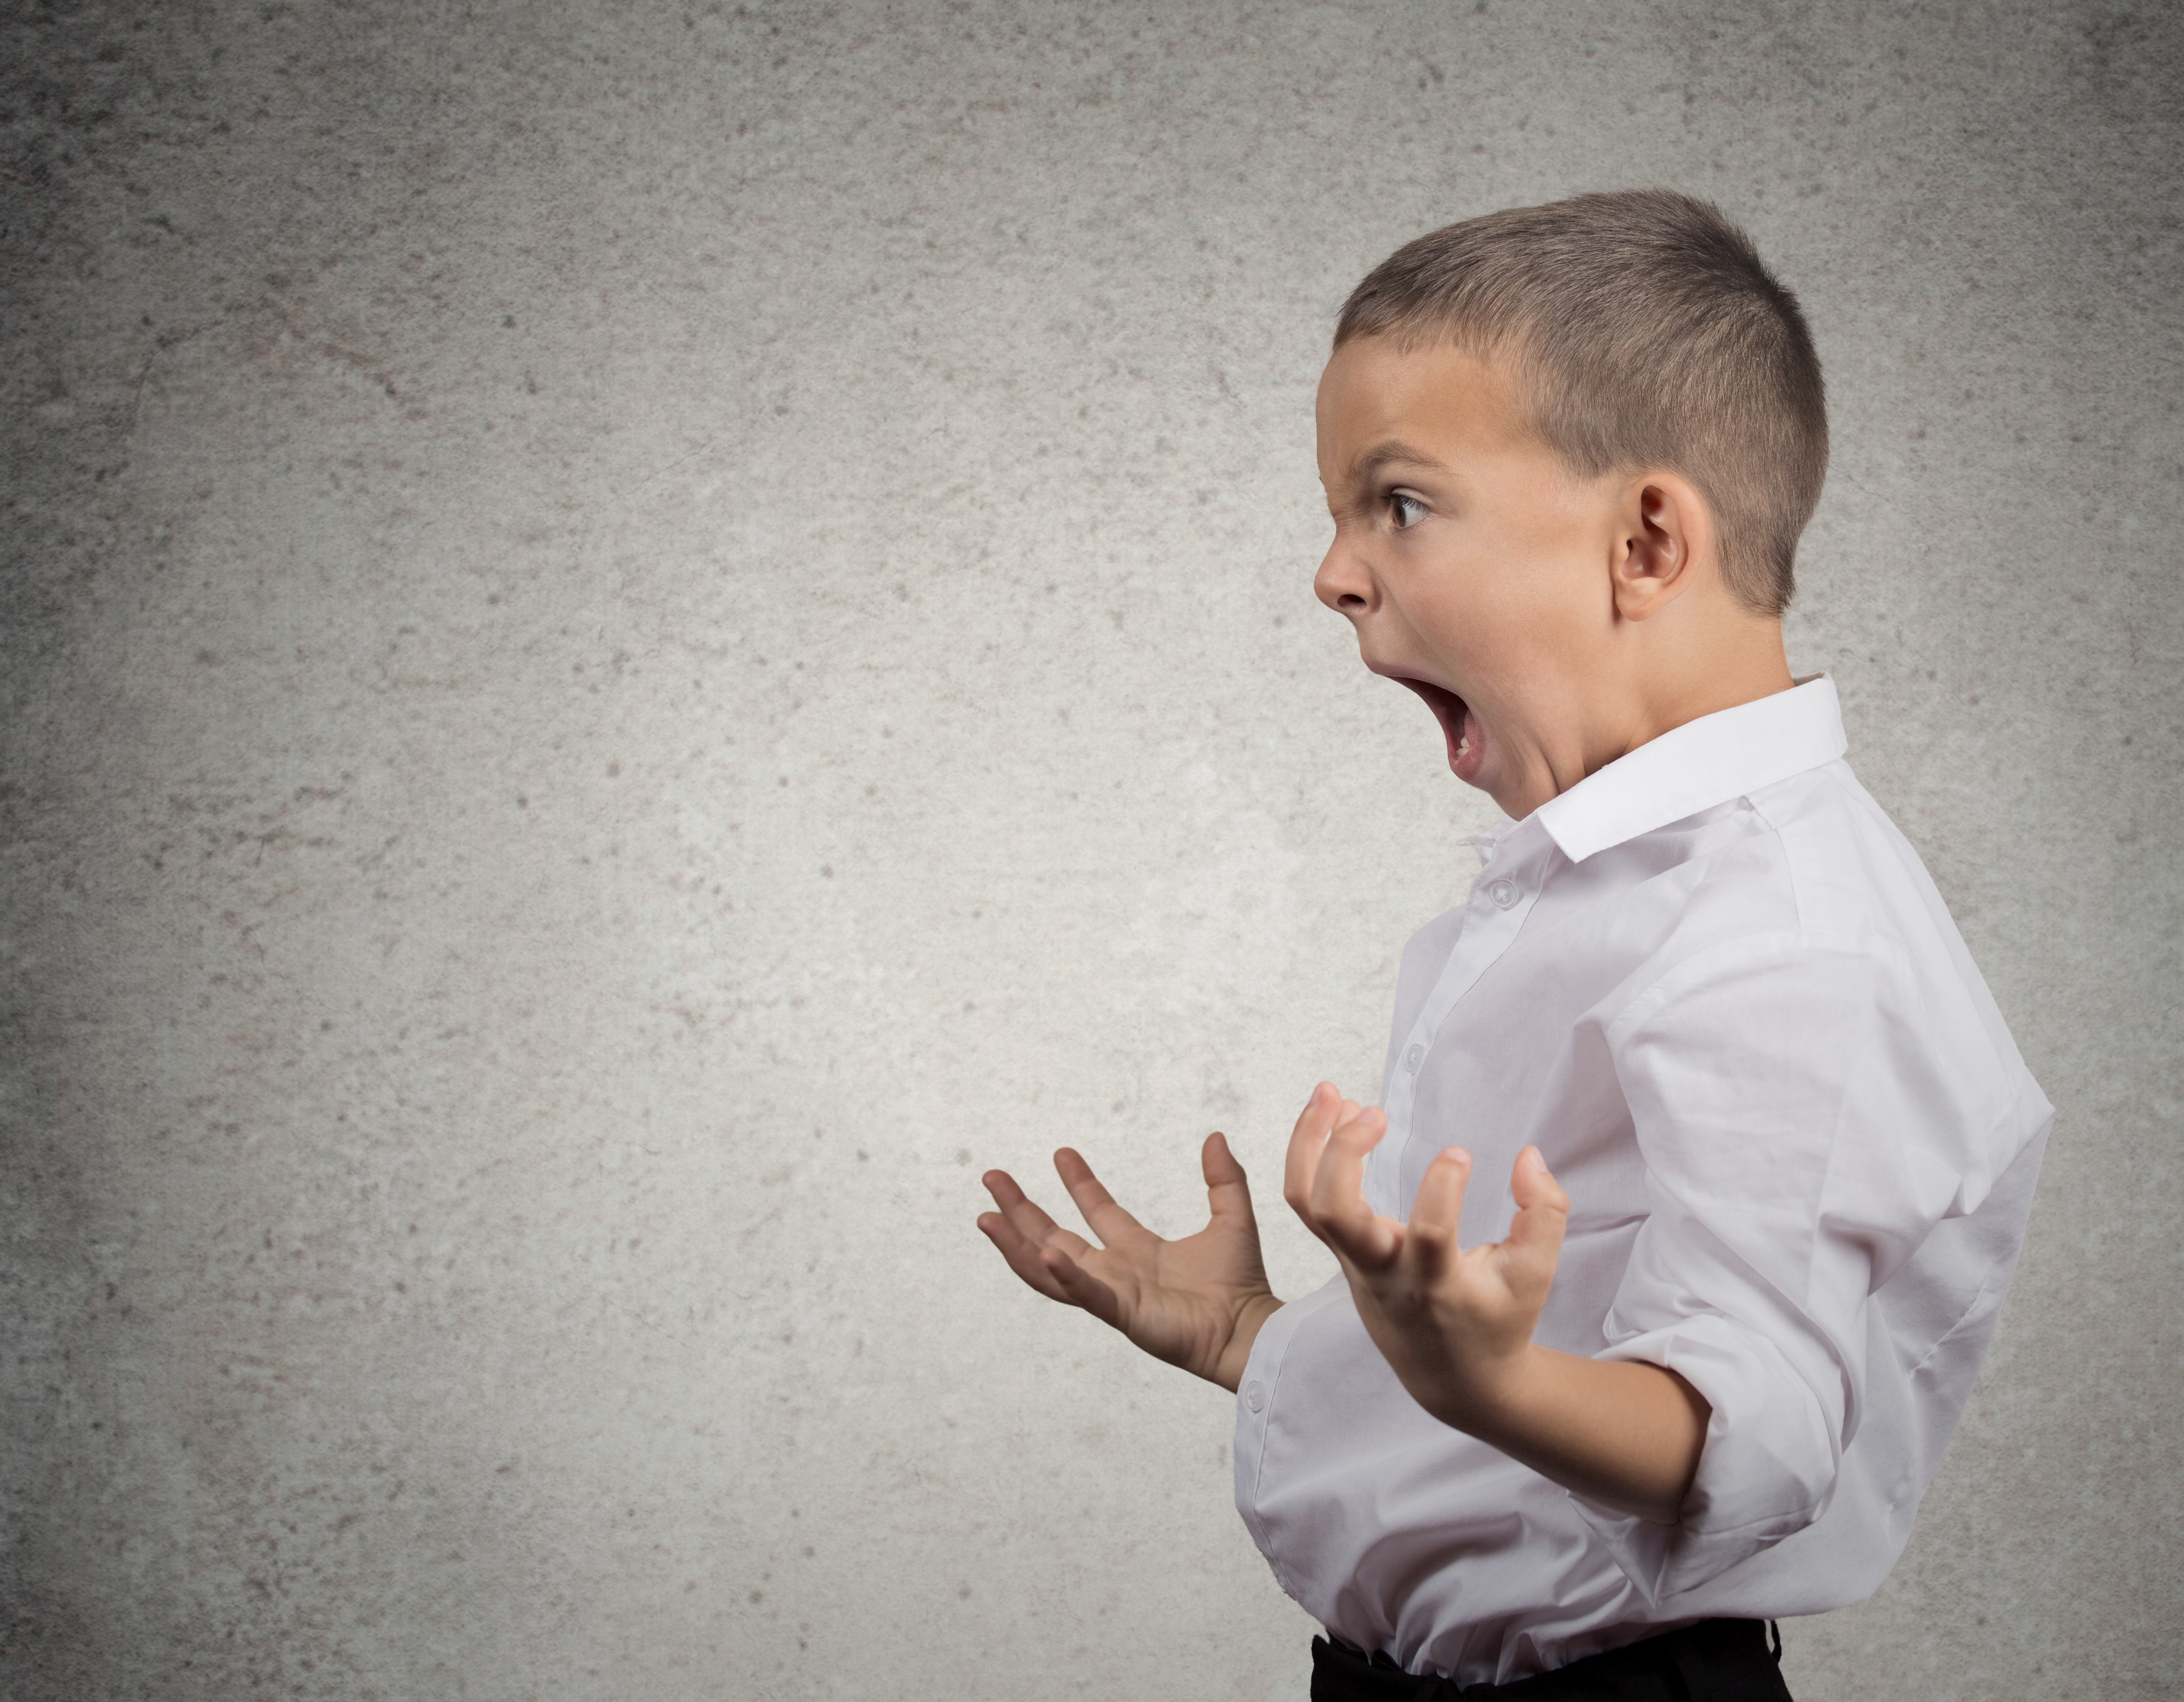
1679, 670
1742, 661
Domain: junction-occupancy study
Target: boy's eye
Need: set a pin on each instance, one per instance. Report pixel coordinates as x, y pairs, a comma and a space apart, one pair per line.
1405, 511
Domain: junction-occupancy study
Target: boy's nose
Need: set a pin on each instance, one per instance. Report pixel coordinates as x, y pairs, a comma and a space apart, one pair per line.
1343, 582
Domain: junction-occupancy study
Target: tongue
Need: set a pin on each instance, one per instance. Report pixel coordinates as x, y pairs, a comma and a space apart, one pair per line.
1458, 725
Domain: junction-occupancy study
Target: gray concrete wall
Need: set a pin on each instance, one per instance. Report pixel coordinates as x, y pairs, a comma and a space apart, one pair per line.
639, 637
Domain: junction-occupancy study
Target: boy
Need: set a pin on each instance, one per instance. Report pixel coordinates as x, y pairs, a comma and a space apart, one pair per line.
1769, 1147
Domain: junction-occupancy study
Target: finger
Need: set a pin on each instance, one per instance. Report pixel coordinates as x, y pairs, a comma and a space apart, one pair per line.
1003, 1187
1535, 1235
1228, 1193
1080, 1287
1029, 1221
1109, 1221
1339, 1214
1431, 1242
1021, 1255
1306, 1141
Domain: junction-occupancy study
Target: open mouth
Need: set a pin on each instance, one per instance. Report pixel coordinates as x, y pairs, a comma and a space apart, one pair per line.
1458, 725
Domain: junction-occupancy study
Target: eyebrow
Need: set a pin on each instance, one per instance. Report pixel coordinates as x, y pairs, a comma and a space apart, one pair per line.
1384, 454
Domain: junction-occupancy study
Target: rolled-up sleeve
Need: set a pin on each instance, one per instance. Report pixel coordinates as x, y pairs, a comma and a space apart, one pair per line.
1805, 1118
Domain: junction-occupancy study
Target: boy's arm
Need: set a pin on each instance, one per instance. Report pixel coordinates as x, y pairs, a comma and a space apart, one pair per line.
1197, 1302
1456, 1324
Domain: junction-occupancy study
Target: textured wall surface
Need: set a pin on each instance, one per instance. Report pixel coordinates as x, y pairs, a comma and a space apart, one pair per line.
637, 638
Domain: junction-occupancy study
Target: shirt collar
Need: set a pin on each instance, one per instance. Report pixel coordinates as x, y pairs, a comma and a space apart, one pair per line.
1705, 762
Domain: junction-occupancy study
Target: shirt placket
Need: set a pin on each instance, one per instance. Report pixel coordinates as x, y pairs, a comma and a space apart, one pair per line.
1501, 895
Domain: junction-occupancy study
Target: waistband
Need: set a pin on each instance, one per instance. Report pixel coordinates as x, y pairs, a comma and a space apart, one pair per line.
1715, 1660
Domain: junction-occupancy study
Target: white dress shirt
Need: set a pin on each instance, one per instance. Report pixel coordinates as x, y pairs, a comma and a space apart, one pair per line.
1716, 988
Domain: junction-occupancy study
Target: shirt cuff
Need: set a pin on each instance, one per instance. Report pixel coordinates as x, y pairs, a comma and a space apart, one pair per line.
1766, 1468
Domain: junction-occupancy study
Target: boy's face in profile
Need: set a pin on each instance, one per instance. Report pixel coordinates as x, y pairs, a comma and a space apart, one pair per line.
1475, 567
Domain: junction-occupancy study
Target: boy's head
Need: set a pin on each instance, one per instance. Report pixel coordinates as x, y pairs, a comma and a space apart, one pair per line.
1569, 450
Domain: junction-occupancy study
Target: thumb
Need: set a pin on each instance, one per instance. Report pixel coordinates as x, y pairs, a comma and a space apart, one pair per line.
1227, 1190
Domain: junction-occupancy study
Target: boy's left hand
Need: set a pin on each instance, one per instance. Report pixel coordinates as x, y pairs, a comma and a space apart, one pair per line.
1454, 1323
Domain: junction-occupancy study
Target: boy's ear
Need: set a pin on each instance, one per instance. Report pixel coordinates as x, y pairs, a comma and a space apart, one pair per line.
1665, 531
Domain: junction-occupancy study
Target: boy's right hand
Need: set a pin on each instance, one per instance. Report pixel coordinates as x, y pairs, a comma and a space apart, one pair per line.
1197, 1302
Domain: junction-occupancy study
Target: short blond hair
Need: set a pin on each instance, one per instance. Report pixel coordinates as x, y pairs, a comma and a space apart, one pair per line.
1647, 332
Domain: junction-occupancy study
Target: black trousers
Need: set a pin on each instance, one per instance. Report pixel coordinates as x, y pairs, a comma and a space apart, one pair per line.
1715, 1660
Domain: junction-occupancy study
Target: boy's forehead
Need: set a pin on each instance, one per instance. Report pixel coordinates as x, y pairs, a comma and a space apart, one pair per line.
1380, 401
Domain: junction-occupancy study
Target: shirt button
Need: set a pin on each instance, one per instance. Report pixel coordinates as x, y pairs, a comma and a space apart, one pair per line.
1410, 1058
1255, 1395
1503, 893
